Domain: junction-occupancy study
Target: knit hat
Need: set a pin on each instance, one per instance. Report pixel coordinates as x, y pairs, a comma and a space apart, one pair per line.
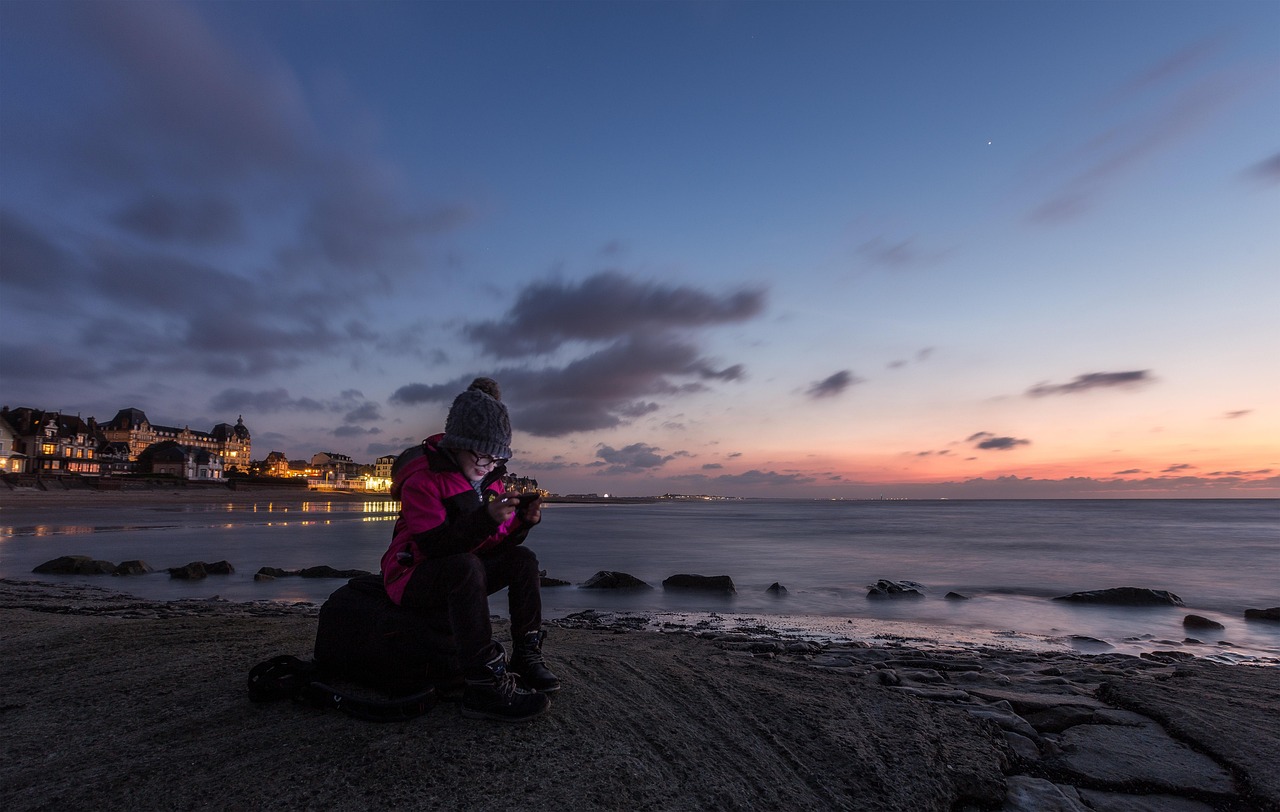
478, 421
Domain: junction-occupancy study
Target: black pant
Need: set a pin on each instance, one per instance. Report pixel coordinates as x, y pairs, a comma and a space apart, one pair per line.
457, 588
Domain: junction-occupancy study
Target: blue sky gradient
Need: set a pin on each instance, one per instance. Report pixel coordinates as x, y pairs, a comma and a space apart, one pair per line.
768, 249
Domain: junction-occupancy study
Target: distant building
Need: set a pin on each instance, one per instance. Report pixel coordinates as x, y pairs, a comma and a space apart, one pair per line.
231, 443
185, 462
382, 466
114, 458
276, 464
333, 470
51, 443
12, 461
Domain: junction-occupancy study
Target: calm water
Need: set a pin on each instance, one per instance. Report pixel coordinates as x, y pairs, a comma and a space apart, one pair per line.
1219, 556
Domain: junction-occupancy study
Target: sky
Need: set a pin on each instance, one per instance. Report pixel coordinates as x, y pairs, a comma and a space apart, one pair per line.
802, 249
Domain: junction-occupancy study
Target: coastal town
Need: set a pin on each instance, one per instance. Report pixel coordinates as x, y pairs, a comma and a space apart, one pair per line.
51, 448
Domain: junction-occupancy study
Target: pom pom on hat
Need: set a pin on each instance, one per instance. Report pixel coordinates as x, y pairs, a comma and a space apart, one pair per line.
478, 421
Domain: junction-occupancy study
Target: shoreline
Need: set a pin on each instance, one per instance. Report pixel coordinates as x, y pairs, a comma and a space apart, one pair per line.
669, 718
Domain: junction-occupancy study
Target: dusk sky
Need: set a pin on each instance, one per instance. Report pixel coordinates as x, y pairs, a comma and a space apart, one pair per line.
829, 249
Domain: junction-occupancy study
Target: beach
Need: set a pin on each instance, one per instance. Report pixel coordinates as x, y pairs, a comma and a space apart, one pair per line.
113, 703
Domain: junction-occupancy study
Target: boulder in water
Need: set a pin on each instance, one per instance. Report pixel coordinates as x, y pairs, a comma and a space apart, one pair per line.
1124, 596
607, 579
1263, 614
75, 565
1201, 622
895, 589
701, 583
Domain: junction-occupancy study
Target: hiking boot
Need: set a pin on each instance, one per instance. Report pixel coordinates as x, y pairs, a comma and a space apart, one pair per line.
495, 695
528, 663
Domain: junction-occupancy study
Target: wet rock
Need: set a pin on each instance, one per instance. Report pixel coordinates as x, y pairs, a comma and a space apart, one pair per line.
776, 588
262, 576
189, 572
1123, 802
895, 589
1027, 794
1124, 596
1263, 614
75, 565
549, 581
276, 572
1201, 622
325, 571
700, 583
1027, 703
219, 568
607, 579
1225, 711
955, 596
134, 567
1120, 758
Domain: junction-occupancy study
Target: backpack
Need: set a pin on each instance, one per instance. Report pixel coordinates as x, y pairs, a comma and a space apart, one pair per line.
365, 639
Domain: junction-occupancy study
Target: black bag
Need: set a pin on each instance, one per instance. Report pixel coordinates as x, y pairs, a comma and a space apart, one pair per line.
287, 677
366, 638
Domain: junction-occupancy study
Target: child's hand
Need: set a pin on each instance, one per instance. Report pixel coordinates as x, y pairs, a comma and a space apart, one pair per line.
500, 506
531, 511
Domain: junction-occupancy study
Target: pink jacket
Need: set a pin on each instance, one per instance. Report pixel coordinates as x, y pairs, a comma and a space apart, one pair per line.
440, 514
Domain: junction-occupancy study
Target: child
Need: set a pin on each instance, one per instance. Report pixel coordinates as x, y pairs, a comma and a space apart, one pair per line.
458, 539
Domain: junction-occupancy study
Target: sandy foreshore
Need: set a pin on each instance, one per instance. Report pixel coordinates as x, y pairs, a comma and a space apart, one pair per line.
109, 702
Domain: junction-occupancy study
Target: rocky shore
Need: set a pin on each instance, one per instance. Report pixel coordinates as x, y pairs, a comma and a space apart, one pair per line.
109, 702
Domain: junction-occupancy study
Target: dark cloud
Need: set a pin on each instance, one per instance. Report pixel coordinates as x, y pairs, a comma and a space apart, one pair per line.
355, 431
1177, 468
364, 413
29, 260
1266, 171
1129, 472
268, 401
415, 393
191, 145
832, 385
604, 307
633, 458
712, 466
1258, 472
1092, 380
756, 477
611, 387
202, 221
1238, 414
987, 441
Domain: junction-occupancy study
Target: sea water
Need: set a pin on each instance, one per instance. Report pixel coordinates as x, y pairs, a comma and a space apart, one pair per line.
1008, 558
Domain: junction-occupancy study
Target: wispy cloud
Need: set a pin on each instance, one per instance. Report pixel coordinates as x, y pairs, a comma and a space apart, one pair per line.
1154, 110
1092, 380
987, 441
1266, 171
832, 385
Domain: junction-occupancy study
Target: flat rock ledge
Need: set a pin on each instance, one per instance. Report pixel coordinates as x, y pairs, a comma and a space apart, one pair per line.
1082, 732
